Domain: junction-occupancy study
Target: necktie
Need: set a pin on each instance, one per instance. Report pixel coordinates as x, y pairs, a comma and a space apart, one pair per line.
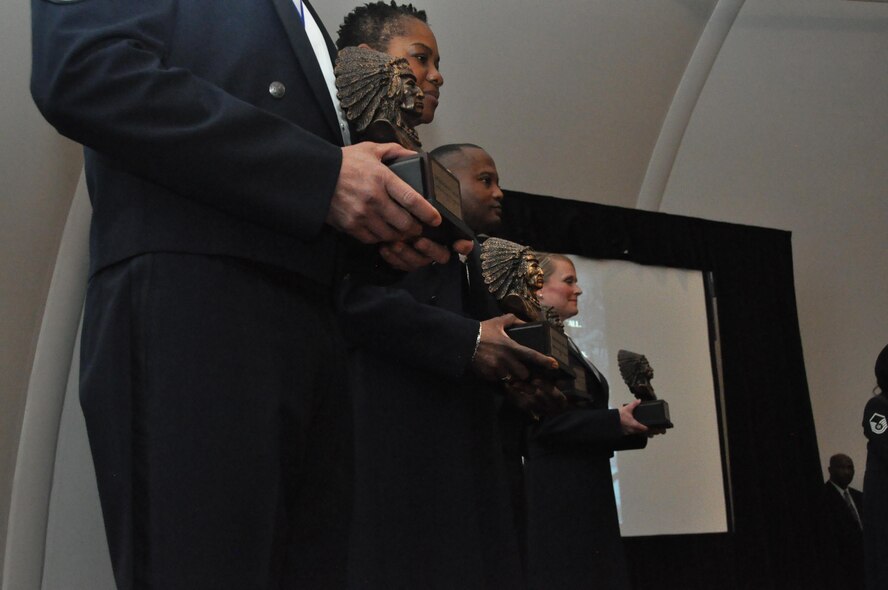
466, 281
301, 10
847, 495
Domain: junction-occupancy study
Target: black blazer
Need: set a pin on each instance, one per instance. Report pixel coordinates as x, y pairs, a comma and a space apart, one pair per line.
187, 150
431, 504
836, 508
842, 538
573, 531
592, 428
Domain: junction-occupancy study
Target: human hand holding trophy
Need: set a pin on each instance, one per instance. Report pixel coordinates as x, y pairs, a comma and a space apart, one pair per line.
512, 275
380, 97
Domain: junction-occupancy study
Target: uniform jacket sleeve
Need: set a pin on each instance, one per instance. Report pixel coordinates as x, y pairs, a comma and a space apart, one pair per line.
177, 93
874, 415
593, 427
417, 322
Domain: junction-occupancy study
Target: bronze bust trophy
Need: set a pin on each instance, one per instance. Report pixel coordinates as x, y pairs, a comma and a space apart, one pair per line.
512, 275
637, 373
379, 95
380, 98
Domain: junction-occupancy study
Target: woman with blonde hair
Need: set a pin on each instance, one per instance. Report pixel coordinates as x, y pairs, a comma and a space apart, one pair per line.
573, 531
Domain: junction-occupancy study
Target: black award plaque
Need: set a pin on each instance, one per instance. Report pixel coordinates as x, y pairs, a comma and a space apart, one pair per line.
578, 390
433, 181
653, 414
545, 339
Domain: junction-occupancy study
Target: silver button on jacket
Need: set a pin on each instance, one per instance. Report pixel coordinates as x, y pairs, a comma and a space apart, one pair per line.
277, 89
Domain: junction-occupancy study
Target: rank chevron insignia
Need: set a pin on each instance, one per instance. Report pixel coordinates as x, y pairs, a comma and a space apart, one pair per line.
878, 423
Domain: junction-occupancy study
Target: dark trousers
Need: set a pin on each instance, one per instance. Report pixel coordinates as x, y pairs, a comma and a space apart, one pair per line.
875, 527
215, 402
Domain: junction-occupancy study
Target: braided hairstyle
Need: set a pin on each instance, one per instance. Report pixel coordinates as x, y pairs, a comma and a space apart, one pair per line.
882, 370
376, 23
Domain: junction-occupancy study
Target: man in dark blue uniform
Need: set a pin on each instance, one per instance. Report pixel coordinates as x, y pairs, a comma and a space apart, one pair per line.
211, 377
840, 519
427, 355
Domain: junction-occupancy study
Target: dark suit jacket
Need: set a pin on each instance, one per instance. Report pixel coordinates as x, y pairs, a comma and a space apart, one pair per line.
875, 484
186, 148
187, 151
842, 538
573, 531
431, 501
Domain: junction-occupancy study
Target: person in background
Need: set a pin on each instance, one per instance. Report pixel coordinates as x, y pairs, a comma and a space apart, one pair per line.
875, 480
841, 525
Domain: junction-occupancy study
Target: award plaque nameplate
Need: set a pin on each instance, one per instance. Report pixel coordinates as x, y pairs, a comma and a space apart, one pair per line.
433, 181
578, 391
545, 339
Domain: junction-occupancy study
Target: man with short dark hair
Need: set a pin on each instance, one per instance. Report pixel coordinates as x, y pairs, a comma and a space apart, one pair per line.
478, 177
842, 533
432, 503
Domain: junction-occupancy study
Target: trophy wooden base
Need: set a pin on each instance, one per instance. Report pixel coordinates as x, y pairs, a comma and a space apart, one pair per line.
653, 414
429, 178
543, 338
578, 391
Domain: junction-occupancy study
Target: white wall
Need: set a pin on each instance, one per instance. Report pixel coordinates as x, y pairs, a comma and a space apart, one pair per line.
569, 97
788, 130
791, 131
38, 175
